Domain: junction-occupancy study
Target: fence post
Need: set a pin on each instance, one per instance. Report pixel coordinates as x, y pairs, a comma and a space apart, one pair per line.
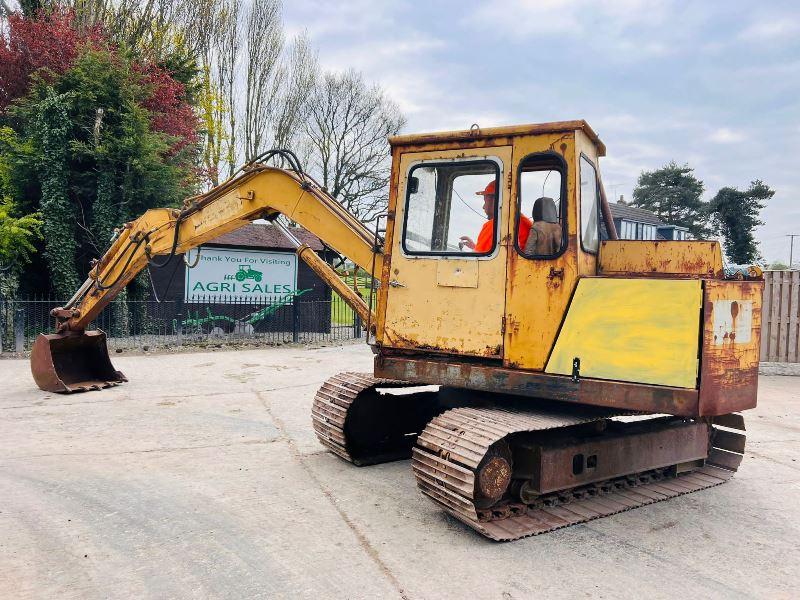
295, 320
356, 325
179, 320
19, 330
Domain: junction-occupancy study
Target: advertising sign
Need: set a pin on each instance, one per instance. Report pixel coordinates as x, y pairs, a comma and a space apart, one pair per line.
240, 275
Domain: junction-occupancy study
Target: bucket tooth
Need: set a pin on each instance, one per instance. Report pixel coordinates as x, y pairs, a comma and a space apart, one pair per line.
73, 362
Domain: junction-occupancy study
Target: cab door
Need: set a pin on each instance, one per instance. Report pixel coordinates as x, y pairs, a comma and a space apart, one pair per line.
542, 276
442, 295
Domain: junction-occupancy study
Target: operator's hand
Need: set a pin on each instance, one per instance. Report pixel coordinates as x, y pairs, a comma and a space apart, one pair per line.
465, 240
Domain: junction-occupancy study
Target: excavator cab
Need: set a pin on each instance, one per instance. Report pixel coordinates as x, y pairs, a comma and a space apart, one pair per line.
506, 302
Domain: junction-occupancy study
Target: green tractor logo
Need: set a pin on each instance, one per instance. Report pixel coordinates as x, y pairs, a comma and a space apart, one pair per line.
247, 272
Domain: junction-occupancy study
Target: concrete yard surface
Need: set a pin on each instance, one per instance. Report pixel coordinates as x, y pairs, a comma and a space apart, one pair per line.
202, 478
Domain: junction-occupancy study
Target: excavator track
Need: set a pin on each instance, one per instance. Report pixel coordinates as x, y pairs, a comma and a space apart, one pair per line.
356, 421
453, 450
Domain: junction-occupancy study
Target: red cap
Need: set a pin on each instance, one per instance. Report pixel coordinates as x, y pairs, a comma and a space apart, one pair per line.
490, 190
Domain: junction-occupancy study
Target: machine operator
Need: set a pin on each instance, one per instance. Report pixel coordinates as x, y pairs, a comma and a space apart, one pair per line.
486, 234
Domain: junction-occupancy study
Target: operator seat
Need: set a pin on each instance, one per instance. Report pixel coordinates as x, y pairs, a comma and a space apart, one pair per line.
545, 236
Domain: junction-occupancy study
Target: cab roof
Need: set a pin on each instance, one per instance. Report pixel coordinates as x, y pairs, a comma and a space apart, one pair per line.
495, 132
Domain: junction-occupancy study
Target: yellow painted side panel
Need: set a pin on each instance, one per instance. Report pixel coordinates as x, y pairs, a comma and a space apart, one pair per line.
660, 258
637, 330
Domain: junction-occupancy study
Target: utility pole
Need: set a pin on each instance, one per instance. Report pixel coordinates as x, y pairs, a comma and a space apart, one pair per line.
614, 187
791, 237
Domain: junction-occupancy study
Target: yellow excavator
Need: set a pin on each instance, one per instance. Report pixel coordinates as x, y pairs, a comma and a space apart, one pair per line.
539, 371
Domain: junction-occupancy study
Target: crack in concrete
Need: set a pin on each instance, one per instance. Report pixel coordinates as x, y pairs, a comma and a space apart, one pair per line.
684, 569
752, 452
365, 544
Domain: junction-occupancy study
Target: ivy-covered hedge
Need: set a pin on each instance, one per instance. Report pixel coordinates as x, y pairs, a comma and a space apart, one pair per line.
93, 136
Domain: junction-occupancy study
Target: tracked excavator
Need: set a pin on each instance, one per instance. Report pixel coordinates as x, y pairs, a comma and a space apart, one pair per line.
533, 386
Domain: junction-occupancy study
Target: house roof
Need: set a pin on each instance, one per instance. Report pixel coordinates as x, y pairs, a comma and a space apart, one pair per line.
266, 235
637, 215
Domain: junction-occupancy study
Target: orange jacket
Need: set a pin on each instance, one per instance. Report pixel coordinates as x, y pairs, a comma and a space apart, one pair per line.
486, 235
525, 225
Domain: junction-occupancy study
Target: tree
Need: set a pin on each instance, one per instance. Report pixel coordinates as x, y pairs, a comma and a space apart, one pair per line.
227, 48
99, 136
673, 194
735, 215
49, 130
47, 45
347, 126
17, 237
265, 41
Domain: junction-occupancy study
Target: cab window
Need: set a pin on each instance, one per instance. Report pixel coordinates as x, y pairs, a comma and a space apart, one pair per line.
451, 208
541, 198
590, 207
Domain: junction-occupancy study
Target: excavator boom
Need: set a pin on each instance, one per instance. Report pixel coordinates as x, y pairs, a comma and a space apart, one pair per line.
73, 359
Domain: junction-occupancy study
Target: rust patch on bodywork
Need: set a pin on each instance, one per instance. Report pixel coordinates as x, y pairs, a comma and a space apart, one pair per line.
731, 346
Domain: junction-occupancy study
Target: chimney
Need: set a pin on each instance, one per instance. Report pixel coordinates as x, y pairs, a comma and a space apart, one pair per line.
621, 199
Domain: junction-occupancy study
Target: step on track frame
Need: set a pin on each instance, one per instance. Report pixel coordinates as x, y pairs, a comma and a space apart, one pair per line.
452, 446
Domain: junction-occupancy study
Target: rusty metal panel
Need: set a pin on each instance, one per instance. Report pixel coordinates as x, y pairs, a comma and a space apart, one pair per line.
731, 346
613, 456
660, 258
638, 330
538, 386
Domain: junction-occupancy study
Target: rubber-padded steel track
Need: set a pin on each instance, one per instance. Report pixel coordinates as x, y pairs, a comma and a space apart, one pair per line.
452, 446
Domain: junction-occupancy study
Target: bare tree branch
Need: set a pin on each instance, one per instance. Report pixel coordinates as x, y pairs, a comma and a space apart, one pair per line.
347, 127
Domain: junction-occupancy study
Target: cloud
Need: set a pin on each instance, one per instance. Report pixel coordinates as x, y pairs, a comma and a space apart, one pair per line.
525, 18
321, 17
770, 30
724, 135
714, 85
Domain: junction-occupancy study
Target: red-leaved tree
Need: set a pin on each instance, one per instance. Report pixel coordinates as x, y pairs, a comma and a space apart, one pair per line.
169, 111
48, 44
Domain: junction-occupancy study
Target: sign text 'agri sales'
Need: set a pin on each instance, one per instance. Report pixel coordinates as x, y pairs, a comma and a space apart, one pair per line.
239, 274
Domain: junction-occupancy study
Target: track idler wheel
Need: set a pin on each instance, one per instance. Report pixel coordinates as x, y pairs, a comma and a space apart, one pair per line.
73, 362
493, 475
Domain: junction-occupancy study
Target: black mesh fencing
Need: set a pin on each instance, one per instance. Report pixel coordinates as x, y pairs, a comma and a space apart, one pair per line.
146, 324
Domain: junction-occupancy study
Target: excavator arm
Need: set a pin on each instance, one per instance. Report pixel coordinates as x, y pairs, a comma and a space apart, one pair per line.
73, 359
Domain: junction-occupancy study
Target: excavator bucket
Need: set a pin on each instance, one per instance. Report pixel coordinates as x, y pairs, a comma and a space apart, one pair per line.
73, 362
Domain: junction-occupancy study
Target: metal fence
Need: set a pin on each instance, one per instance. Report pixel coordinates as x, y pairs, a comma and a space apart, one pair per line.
780, 317
134, 324
137, 324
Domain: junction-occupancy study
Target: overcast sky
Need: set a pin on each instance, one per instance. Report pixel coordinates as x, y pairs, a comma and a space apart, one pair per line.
713, 83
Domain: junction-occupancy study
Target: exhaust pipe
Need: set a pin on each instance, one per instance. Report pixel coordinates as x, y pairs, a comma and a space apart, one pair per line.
73, 362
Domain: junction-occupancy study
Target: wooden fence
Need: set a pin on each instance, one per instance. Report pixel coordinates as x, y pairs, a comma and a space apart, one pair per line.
780, 317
